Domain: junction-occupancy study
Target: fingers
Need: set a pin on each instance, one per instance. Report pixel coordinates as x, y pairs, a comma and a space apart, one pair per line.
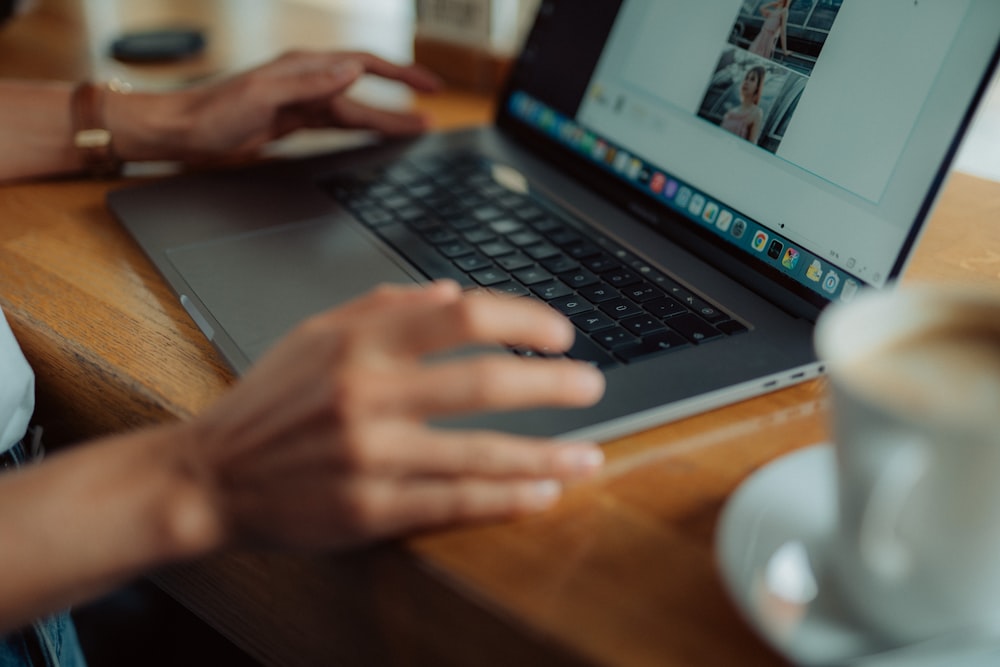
476, 319
389, 298
306, 80
493, 382
352, 114
299, 77
303, 64
401, 449
391, 508
413, 321
415, 76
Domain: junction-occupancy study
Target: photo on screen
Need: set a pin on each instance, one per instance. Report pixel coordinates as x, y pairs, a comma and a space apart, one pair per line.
789, 32
752, 97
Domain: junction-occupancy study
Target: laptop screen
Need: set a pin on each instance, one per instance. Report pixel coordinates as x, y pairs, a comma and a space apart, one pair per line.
807, 137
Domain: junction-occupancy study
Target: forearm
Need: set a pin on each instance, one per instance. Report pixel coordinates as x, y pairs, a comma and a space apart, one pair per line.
36, 128
96, 516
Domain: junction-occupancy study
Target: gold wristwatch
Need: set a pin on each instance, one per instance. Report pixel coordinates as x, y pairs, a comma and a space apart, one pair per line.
91, 138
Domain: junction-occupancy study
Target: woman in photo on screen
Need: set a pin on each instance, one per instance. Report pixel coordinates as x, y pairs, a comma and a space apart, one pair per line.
746, 119
775, 20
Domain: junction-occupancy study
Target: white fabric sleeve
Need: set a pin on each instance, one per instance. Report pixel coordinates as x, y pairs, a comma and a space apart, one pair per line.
17, 388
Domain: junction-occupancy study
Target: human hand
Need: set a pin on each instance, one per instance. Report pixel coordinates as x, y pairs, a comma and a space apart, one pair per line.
325, 443
237, 116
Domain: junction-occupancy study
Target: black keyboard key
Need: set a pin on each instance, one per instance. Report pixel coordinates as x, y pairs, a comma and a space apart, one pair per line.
600, 292
374, 216
496, 248
421, 254
533, 275
546, 225
621, 278
491, 191
486, 213
560, 264
410, 213
584, 349
707, 310
583, 250
642, 325
402, 174
731, 327
679, 293
592, 321
424, 224
620, 253
455, 249
693, 328
642, 292
382, 190
462, 222
658, 343
620, 308
542, 251
664, 283
515, 261
511, 200
421, 190
506, 226
579, 278
488, 277
473, 262
397, 202
602, 263
552, 290
524, 237
664, 307
564, 236
511, 289
479, 235
528, 213
614, 337
440, 234
571, 305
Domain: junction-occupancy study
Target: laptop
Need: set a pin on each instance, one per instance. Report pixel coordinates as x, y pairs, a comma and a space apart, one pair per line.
690, 183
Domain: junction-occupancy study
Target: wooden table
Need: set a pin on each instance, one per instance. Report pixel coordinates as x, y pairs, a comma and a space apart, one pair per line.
622, 572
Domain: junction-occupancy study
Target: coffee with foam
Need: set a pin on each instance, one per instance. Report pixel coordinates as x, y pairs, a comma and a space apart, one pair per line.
915, 382
948, 372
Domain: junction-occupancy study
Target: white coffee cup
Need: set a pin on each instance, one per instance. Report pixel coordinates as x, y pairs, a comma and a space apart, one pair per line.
914, 375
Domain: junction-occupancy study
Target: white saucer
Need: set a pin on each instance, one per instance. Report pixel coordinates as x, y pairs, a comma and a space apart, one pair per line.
772, 544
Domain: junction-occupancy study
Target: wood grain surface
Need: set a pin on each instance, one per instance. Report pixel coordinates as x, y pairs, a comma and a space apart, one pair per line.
620, 573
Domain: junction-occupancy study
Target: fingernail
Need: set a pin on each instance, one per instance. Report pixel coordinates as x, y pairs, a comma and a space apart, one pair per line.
544, 494
581, 458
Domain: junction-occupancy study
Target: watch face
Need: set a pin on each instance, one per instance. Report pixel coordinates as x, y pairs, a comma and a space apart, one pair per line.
92, 139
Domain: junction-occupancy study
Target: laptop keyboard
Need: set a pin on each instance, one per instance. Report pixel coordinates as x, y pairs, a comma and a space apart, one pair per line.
451, 218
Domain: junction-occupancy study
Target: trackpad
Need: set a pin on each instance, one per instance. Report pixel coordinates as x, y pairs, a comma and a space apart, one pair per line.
261, 284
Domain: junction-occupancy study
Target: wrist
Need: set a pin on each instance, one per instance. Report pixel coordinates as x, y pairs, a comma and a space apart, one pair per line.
146, 126
189, 521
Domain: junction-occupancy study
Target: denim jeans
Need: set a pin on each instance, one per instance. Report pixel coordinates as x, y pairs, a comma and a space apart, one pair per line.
49, 642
